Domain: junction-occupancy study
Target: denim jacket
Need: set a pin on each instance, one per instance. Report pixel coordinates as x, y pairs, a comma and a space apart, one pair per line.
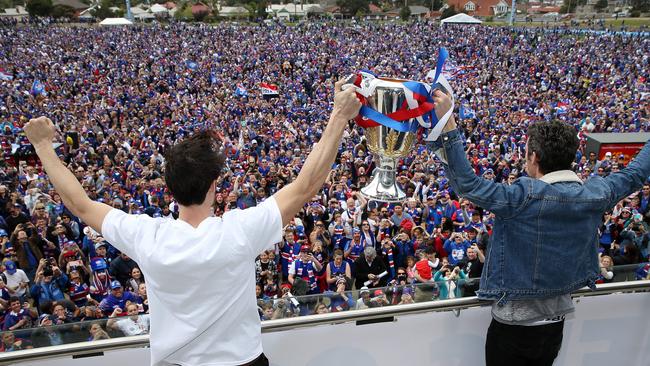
545, 235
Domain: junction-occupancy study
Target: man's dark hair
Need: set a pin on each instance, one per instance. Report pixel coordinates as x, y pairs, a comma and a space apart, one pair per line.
555, 143
191, 166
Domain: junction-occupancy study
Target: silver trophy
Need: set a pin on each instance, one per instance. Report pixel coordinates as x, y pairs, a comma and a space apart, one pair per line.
387, 145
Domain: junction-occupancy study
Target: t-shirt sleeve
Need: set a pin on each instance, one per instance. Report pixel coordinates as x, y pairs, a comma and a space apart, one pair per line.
261, 225
121, 230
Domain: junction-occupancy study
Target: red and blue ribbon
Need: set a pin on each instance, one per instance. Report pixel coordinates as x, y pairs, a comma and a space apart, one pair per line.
368, 117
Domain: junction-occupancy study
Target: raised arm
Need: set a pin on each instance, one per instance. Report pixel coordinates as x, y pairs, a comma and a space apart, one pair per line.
40, 132
495, 197
291, 198
630, 179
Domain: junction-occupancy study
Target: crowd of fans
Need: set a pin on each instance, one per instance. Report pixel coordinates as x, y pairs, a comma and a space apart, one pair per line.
122, 96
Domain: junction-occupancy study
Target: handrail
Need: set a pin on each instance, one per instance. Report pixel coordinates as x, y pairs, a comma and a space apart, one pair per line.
100, 346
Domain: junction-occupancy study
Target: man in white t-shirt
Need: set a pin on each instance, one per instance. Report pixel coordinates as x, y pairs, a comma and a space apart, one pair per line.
131, 325
17, 281
221, 327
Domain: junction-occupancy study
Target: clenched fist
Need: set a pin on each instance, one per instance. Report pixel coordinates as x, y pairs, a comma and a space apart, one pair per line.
40, 132
346, 103
442, 102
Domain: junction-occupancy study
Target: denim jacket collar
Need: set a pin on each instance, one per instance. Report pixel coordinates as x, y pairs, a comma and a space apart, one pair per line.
560, 176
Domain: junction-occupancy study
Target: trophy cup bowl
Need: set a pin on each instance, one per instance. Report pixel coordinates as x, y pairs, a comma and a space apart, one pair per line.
387, 145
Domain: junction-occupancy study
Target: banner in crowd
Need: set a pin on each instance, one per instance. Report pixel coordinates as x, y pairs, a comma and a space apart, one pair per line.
192, 65
466, 112
562, 108
5, 76
241, 91
38, 88
269, 89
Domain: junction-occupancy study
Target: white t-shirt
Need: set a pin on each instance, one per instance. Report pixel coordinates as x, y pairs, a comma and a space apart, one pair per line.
15, 279
200, 281
132, 328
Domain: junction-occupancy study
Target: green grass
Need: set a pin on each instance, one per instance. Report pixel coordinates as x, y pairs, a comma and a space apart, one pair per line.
630, 23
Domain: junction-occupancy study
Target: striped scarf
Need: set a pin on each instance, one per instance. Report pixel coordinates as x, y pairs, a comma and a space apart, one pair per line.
356, 251
300, 269
391, 261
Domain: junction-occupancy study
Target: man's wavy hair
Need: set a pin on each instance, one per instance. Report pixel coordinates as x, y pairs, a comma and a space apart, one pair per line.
192, 165
555, 144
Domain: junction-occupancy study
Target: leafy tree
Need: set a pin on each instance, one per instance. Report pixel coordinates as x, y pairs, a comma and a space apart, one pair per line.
42, 8
184, 12
601, 5
450, 11
405, 13
569, 6
261, 9
103, 11
63, 11
200, 15
642, 6
352, 7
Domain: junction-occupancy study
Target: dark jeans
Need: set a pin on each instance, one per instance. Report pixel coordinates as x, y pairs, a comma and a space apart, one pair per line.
514, 345
260, 361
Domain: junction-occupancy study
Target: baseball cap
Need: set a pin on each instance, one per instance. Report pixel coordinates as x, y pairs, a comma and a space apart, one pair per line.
609, 153
10, 266
3, 232
304, 248
100, 244
488, 171
98, 264
364, 289
69, 253
115, 284
378, 292
622, 156
356, 230
430, 197
42, 318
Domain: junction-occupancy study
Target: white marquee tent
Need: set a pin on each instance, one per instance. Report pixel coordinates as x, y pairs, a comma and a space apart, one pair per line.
460, 18
115, 21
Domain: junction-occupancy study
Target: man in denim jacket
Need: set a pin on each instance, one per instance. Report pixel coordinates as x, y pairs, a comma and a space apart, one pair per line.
545, 237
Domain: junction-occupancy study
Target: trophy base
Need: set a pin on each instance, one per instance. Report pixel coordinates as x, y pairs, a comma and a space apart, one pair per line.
383, 187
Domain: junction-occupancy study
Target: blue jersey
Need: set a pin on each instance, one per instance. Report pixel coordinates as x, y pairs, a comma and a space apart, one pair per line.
456, 251
111, 302
434, 218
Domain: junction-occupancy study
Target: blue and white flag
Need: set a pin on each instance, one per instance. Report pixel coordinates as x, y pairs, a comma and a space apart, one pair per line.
213, 78
5, 76
241, 91
38, 88
466, 112
562, 108
192, 65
